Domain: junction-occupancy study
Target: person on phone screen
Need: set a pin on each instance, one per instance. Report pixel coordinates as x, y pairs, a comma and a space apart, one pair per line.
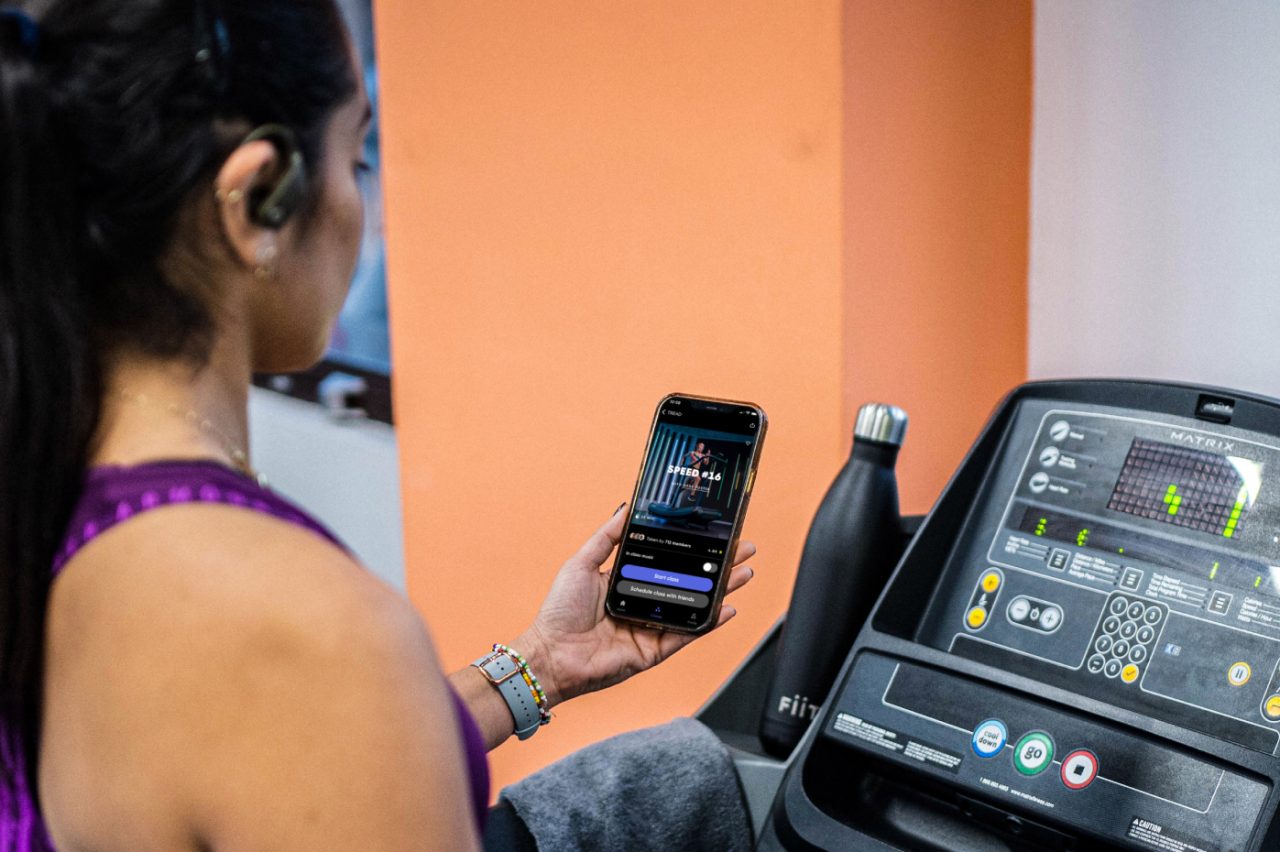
694, 460
187, 660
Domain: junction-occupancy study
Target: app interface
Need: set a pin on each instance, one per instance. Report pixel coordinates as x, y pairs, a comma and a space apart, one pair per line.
674, 550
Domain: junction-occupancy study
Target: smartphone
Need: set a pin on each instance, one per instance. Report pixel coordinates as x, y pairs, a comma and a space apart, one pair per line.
686, 513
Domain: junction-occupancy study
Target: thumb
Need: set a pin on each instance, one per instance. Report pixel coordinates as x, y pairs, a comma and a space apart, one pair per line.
602, 541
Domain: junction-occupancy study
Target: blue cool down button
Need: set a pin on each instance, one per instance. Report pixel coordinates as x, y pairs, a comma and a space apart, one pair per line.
666, 578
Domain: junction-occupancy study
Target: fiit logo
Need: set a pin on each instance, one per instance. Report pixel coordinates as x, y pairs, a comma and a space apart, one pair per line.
1202, 441
798, 705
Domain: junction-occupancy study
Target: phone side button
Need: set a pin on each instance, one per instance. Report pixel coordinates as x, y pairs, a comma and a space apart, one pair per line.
751, 480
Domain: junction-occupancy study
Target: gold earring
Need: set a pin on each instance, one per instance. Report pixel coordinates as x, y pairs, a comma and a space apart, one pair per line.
232, 197
265, 269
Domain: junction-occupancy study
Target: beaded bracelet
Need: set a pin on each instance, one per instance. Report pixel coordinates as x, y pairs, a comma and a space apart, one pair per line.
531, 680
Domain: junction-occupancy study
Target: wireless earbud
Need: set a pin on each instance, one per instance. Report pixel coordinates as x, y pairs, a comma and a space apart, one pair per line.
283, 199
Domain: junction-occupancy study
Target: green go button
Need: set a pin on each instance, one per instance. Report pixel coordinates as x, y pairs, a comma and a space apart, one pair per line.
1034, 753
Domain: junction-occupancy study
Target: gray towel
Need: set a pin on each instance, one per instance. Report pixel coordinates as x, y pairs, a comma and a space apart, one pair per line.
663, 788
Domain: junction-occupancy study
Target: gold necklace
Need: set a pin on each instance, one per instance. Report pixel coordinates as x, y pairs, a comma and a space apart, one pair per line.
239, 458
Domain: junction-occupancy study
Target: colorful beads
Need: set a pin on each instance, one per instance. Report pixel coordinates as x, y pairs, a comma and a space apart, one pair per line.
531, 680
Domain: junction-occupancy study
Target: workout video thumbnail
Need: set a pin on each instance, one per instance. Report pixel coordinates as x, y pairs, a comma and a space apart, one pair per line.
693, 480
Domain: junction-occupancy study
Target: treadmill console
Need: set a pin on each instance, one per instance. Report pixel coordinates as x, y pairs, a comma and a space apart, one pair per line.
1080, 650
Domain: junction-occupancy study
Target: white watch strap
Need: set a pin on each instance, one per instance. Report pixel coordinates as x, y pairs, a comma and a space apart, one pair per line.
502, 671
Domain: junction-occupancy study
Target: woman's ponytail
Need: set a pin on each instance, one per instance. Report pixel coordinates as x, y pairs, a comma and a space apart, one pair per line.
49, 394
115, 116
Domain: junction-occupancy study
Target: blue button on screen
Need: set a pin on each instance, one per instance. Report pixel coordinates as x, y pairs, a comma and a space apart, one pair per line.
989, 738
666, 578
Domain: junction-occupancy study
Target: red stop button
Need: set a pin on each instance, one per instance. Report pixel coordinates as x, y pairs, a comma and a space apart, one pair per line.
1079, 769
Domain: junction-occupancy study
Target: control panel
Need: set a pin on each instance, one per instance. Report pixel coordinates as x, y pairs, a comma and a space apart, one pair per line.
1132, 557
1045, 760
1080, 649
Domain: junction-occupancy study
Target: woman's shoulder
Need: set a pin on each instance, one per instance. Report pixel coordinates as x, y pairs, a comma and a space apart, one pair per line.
216, 566
204, 636
113, 495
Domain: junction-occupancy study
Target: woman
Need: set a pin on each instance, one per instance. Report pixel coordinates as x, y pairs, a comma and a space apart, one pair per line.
179, 209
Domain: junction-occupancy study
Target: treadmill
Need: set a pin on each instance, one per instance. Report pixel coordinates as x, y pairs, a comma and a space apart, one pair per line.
1079, 648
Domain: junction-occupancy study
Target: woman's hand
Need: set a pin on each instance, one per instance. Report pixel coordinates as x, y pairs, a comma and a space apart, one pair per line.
575, 648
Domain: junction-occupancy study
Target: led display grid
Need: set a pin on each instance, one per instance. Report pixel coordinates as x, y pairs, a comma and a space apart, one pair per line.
1184, 487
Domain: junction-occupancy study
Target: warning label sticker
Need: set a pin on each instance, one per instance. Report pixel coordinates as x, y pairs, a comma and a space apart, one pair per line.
1157, 836
896, 742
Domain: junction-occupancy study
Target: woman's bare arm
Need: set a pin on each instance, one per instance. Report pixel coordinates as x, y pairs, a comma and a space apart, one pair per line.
270, 692
572, 647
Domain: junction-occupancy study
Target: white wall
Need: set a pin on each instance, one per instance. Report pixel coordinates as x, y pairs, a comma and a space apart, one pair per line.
344, 472
1155, 206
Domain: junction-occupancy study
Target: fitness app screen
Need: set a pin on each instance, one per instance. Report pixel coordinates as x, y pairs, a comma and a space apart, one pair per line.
692, 488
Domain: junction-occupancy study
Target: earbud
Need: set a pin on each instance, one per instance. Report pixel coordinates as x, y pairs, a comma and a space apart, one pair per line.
282, 200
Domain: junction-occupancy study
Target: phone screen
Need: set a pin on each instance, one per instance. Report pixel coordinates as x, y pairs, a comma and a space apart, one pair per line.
686, 511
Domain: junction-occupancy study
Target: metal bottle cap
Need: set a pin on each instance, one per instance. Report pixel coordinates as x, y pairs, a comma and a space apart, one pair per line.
884, 424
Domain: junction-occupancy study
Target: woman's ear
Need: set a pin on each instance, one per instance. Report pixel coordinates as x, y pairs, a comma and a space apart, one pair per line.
249, 173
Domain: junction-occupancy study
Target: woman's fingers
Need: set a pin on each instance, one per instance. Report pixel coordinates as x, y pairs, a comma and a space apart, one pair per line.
746, 550
738, 578
669, 643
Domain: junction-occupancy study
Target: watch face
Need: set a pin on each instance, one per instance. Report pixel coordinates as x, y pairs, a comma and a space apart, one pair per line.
506, 671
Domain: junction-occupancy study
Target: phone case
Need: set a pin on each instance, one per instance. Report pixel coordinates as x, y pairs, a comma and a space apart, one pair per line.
722, 579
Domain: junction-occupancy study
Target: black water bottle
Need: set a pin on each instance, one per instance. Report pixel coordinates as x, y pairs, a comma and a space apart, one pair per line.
851, 548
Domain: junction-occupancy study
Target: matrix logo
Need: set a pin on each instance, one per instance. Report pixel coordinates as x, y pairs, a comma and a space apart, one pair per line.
799, 706
1202, 441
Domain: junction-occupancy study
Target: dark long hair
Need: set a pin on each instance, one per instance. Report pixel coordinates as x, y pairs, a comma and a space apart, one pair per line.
114, 114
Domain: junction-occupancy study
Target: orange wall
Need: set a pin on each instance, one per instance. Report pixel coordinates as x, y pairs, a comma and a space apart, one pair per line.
937, 155
592, 204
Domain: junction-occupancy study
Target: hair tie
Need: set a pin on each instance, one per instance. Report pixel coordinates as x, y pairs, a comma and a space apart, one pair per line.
28, 29
213, 45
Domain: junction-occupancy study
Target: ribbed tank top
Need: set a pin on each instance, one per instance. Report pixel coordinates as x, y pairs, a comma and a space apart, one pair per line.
113, 495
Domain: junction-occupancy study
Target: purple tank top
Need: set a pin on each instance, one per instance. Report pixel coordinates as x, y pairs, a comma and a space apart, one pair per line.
111, 496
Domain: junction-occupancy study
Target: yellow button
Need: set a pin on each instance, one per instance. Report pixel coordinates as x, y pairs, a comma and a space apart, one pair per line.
991, 582
1239, 674
1272, 708
1130, 673
977, 617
